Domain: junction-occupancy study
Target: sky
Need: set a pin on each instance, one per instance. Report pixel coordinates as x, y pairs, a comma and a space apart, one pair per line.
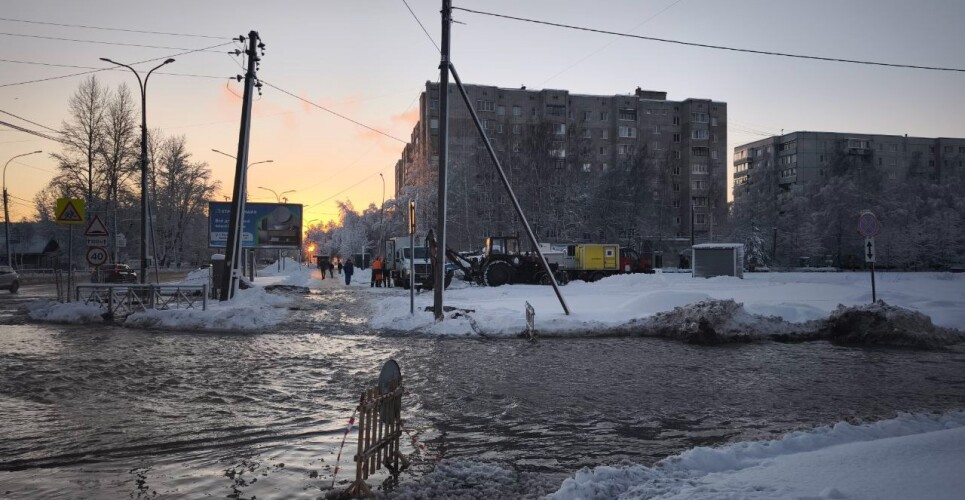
370, 60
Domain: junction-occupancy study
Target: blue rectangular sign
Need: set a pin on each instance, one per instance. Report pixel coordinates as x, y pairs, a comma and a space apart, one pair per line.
265, 225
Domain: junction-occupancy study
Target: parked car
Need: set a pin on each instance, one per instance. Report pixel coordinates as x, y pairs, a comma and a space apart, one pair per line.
9, 279
118, 273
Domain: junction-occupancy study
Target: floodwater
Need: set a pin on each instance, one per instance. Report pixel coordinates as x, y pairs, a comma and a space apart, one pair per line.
106, 412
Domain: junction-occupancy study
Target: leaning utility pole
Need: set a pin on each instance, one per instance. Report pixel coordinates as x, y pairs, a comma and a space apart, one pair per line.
439, 266
233, 245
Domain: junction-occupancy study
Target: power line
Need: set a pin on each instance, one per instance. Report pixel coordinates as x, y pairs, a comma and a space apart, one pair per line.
78, 40
708, 46
28, 121
421, 26
36, 63
323, 108
110, 29
32, 132
112, 68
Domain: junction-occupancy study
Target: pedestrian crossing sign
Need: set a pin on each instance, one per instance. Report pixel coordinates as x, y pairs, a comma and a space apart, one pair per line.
69, 211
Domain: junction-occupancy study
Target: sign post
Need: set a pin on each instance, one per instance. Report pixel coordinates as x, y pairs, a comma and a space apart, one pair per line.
97, 239
869, 227
69, 211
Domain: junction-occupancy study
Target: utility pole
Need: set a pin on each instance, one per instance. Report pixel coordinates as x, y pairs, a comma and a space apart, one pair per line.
440, 260
233, 245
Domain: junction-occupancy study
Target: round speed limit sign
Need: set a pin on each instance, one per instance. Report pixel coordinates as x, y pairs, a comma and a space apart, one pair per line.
96, 256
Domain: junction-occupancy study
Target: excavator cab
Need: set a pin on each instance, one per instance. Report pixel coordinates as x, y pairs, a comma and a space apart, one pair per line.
502, 245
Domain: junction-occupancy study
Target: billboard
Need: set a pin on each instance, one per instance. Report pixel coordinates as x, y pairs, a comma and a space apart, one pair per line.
265, 225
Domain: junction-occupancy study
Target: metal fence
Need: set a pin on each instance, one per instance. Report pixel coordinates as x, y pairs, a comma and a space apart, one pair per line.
121, 300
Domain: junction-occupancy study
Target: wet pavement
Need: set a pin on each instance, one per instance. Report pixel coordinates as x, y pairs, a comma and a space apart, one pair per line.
108, 412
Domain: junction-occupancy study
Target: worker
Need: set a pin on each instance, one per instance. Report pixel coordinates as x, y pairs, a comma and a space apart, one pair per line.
376, 272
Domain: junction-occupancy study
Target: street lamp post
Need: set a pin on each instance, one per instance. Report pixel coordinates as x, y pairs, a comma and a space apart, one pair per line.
6, 212
142, 85
278, 198
241, 220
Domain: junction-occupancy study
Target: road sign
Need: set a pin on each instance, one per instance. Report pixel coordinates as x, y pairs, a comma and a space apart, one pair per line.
869, 250
868, 225
97, 242
96, 228
96, 256
69, 211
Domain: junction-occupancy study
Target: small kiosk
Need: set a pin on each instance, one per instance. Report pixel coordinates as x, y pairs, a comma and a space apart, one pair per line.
718, 259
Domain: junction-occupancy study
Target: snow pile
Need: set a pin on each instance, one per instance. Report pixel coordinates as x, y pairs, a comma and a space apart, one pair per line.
716, 321
253, 309
197, 277
884, 324
911, 456
68, 312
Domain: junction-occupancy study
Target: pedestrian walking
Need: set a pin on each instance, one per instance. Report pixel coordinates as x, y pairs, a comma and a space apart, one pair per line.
339, 267
349, 269
331, 270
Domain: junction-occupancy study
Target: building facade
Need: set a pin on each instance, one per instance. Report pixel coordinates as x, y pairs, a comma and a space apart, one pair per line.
630, 168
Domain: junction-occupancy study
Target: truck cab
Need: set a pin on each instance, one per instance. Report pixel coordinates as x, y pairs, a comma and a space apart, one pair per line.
399, 257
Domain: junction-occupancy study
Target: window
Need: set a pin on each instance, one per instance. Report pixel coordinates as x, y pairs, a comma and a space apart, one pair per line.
656, 129
676, 138
533, 112
857, 144
675, 171
555, 110
605, 134
517, 111
676, 154
961, 150
625, 149
698, 117
517, 129
559, 128
605, 167
560, 164
485, 105
713, 121
515, 147
587, 167
676, 203
714, 137
586, 116
501, 110
713, 154
434, 123
604, 116
676, 186
558, 150
698, 184
676, 220
698, 134
487, 124
700, 218
587, 134
499, 128
602, 150
700, 201
700, 151
698, 168
894, 148
676, 120
628, 114
628, 132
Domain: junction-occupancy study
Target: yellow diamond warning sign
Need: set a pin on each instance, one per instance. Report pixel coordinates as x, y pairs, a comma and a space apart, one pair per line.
69, 211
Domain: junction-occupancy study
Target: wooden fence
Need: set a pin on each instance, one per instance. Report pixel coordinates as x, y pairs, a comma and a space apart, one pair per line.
380, 427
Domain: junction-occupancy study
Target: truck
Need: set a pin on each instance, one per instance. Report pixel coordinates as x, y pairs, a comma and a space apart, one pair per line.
595, 261
502, 263
398, 259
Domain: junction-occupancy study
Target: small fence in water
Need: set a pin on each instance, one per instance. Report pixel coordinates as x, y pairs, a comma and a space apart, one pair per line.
121, 300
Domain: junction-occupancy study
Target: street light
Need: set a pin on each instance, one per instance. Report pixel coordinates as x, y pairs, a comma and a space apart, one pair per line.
6, 213
278, 196
142, 85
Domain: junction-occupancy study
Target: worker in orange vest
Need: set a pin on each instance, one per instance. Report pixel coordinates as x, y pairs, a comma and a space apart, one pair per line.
376, 272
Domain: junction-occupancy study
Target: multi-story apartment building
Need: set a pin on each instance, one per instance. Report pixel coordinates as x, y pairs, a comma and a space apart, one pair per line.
783, 167
626, 168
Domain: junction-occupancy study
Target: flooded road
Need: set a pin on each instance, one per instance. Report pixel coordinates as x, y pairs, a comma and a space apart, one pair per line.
107, 412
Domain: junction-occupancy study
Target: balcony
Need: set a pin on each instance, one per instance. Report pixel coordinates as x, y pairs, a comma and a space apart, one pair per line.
859, 151
791, 179
741, 161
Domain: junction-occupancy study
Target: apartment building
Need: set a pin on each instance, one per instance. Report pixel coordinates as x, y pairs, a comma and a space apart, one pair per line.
623, 168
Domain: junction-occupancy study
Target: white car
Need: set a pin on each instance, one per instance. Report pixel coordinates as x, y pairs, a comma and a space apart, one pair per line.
9, 279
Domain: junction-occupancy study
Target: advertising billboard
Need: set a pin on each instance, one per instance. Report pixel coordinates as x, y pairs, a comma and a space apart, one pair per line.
265, 225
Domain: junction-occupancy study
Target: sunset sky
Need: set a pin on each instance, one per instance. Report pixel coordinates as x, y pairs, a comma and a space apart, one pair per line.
369, 61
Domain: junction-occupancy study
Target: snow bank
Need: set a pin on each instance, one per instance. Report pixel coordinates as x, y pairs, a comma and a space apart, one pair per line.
884, 324
717, 321
911, 456
253, 309
69, 312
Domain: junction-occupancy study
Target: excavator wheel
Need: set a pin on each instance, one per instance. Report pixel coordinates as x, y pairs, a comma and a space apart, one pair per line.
497, 273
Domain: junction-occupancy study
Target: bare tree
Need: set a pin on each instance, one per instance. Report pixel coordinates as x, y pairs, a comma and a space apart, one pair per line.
80, 161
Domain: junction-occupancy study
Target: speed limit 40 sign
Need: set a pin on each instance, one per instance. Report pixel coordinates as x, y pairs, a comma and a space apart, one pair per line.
96, 256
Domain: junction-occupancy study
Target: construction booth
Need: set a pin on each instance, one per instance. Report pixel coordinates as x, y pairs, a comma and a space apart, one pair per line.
718, 259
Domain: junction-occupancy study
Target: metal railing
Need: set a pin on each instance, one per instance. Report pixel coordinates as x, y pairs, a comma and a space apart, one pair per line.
124, 299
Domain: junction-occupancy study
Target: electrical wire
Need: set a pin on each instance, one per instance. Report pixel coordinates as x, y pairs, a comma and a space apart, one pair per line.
8, 19
78, 40
32, 132
424, 30
28, 121
113, 68
323, 108
708, 46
